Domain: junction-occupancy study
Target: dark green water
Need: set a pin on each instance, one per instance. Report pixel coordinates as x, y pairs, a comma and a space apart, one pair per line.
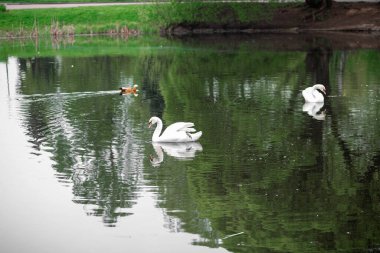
266, 176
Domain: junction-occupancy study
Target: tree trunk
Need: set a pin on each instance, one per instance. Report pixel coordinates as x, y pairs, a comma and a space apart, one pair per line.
318, 8
319, 3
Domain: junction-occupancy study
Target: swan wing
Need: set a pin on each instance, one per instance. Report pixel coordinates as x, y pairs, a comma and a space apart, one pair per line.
307, 93
180, 132
312, 95
178, 127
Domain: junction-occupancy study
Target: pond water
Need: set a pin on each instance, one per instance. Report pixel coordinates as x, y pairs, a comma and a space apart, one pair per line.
79, 172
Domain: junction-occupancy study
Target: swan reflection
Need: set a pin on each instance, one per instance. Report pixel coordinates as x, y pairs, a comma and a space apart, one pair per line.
179, 150
314, 110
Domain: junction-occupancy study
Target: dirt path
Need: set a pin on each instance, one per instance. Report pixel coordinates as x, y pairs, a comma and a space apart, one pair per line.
64, 5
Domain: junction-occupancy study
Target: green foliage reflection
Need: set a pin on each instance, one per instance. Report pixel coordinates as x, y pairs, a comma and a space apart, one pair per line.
270, 179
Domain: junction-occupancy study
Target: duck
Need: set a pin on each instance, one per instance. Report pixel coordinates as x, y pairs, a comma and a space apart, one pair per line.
176, 132
129, 90
314, 94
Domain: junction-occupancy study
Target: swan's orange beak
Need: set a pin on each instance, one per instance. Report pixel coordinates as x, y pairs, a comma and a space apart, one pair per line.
149, 124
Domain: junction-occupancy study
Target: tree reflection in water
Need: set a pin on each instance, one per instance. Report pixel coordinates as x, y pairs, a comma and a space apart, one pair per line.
268, 173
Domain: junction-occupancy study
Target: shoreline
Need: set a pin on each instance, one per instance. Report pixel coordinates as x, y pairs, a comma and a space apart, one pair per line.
292, 18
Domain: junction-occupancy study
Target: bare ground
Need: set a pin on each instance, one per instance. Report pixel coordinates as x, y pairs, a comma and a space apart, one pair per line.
342, 16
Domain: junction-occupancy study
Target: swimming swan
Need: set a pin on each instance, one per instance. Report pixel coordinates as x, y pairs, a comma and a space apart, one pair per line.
313, 94
176, 132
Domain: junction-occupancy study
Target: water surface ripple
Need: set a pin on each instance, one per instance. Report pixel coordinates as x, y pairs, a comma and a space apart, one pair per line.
270, 173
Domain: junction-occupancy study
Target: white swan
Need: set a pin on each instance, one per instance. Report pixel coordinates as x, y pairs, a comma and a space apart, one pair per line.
313, 95
176, 132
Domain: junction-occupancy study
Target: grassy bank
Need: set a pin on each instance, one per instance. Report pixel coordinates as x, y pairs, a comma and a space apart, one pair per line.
119, 19
22, 23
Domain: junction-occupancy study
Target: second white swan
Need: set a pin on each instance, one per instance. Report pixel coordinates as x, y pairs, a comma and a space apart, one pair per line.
176, 132
313, 95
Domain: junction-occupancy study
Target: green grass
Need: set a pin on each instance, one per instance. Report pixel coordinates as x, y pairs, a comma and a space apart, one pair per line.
83, 19
212, 13
3, 8
146, 18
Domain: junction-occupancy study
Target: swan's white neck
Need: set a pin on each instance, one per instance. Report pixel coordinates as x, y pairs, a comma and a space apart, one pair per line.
157, 131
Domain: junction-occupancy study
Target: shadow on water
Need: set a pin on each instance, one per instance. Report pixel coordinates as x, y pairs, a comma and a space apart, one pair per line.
270, 174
